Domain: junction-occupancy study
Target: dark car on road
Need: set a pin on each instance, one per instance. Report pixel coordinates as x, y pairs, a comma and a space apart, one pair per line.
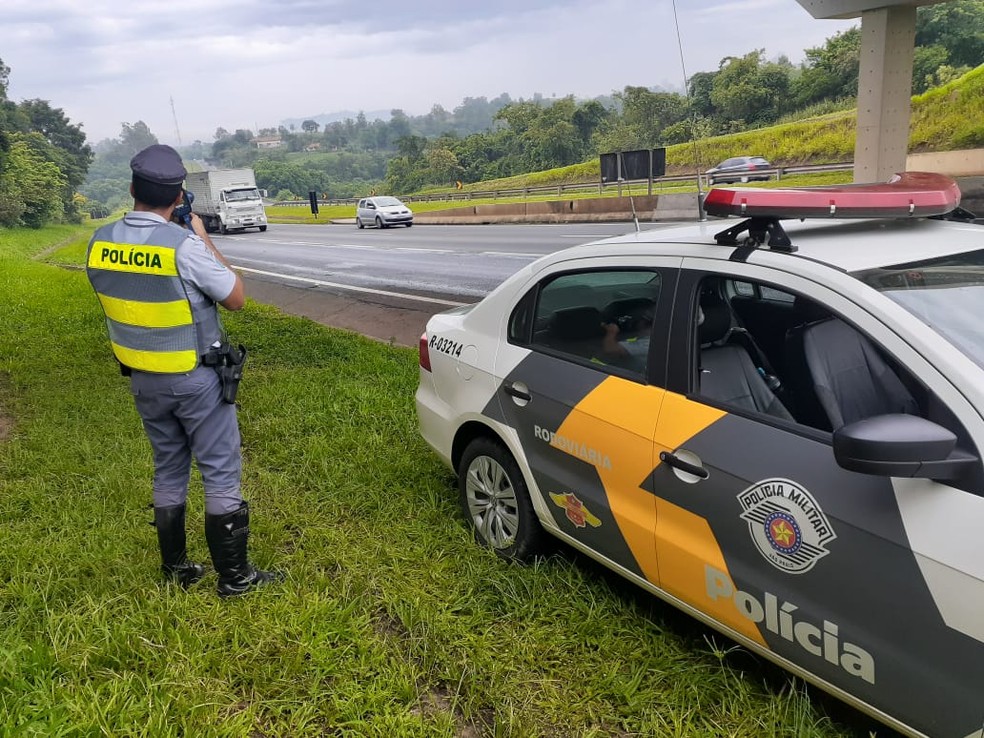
739, 169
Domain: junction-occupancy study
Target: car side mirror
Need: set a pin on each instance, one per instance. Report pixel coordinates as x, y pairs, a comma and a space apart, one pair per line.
900, 446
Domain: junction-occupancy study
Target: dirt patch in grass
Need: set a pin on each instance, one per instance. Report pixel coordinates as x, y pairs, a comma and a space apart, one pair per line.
6, 421
390, 320
441, 699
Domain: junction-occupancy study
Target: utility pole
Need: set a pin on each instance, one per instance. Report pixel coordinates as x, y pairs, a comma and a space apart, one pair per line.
175, 116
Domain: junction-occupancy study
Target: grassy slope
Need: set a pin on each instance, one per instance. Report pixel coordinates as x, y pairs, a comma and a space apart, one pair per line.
392, 622
943, 119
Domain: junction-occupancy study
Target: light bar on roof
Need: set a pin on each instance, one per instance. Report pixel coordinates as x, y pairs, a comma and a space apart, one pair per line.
909, 194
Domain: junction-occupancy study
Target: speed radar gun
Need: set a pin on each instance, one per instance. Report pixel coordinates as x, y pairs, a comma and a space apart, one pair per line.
182, 213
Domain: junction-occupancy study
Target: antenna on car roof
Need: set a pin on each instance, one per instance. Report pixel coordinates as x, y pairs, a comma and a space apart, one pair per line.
701, 215
635, 217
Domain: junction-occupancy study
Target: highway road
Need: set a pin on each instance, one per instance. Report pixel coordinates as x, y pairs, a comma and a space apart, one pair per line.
386, 284
433, 264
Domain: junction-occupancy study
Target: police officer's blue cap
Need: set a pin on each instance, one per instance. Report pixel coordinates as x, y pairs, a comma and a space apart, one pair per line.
160, 164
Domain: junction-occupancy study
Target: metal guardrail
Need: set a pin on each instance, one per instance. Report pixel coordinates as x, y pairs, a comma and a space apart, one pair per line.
560, 189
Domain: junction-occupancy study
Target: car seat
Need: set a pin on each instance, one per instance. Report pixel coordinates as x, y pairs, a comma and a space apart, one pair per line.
577, 330
727, 372
629, 312
850, 379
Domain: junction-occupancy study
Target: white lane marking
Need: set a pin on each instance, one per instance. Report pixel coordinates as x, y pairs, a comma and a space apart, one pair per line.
429, 251
511, 253
593, 236
353, 288
323, 245
363, 246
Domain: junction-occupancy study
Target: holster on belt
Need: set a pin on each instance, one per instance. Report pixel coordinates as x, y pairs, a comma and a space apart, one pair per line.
227, 360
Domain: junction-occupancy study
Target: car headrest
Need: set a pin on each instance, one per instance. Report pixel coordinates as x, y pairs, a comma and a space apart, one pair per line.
635, 307
577, 323
809, 311
717, 318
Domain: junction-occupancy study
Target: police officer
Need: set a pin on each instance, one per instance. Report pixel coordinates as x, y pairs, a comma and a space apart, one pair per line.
159, 284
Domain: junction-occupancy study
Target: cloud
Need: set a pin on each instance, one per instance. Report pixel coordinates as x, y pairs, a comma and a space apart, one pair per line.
251, 64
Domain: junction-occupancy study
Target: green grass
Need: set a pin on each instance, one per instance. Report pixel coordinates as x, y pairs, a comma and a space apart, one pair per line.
391, 622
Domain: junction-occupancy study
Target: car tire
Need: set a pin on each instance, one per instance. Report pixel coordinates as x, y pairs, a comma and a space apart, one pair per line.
496, 502
409, 224
222, 228
262, 229
379, 222
359, 224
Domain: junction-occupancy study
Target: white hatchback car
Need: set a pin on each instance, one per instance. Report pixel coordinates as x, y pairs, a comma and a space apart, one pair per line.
774, 424
382, 212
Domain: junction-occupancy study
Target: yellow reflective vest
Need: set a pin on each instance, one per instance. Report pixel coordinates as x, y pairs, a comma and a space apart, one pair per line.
152, 325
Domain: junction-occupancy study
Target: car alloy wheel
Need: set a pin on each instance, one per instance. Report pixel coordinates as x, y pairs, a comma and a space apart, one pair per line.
359, 223
495, 500
379, 222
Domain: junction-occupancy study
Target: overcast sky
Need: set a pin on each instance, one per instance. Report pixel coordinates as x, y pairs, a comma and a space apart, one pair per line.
252, 64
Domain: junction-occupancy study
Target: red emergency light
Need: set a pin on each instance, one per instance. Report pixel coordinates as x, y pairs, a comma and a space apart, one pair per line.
908, 194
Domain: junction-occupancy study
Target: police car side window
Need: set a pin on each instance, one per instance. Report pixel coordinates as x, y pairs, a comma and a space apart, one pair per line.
766, 350
601, 319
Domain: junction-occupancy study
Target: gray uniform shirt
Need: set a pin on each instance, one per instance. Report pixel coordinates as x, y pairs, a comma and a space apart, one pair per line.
206, 277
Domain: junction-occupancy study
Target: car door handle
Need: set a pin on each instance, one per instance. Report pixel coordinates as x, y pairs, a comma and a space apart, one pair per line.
517, 390
685, 466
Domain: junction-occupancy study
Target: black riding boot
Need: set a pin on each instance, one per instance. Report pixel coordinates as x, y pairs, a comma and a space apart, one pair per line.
227, 537
170, 524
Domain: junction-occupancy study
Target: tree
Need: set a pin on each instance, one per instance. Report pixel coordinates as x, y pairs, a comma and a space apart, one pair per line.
31, 186
443, 166
412, 147
588, 118
69, 140
109, 175
830, 72
927, 61
748, 90
957, 26
310, 126
699, 90
644, 118
136, 137
4, 79
399, 125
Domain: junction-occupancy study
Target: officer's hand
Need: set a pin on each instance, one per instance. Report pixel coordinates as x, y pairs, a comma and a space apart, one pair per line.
198, 226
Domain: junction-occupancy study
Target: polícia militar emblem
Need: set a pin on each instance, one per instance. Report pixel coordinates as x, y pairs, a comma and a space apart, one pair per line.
786, 523
575, 510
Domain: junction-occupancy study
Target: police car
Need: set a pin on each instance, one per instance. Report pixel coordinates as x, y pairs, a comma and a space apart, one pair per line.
773, 422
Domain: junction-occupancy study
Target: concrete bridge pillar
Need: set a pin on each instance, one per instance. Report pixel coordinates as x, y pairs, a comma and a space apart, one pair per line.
884, 92
888, 35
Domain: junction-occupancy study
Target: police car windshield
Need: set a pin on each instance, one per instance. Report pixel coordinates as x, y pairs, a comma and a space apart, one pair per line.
236, 195
946, 293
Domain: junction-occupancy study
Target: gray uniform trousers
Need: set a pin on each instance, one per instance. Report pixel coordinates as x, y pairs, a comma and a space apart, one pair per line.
184, 417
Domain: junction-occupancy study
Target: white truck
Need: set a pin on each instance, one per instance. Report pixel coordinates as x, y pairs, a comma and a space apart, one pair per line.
226, 199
